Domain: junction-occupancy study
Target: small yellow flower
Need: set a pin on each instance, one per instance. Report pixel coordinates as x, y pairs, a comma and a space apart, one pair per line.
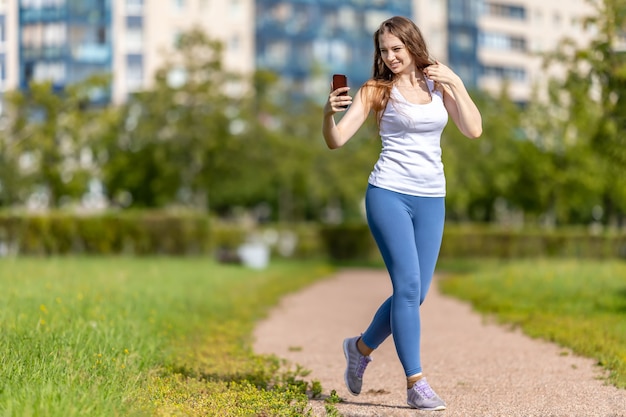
43, 309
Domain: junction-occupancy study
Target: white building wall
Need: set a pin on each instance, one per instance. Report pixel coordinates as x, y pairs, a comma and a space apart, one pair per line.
547, 23
431, 16
9, 9
231, 21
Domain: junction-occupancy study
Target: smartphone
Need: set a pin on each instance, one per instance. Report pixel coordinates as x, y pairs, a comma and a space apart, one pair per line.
340, 80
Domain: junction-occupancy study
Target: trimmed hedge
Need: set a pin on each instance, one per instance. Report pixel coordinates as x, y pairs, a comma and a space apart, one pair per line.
190, 233
354, 242
132, 233
348, 242
486, 241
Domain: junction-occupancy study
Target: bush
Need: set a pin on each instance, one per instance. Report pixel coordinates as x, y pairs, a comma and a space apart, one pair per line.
348, 242
353, 242
132, 233
192, 233
485, 241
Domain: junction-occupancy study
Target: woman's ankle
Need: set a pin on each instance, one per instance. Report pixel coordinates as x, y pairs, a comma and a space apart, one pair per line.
363, 348
411, 380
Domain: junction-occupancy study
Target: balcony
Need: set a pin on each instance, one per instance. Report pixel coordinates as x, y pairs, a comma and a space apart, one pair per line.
91, 53
28, 15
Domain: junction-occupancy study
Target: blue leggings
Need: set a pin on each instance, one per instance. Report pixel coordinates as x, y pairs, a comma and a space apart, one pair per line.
408, 232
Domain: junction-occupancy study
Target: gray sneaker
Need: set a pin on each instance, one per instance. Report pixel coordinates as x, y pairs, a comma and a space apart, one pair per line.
422, 397
355, 365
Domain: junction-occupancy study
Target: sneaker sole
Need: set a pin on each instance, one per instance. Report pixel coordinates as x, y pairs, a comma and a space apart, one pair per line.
438, 408
345, 374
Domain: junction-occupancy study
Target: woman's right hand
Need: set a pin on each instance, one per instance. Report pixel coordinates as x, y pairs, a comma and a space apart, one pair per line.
337, 134
338, 100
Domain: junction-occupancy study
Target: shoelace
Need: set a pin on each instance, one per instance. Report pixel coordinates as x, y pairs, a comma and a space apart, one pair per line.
424, 389
363, 362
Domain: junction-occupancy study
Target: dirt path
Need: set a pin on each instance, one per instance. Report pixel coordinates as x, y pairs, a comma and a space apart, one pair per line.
478, 368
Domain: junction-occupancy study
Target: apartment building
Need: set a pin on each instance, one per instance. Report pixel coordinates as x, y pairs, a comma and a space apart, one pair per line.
146, 31
8, 48
64, 41
487, 42
492, 42
306, 41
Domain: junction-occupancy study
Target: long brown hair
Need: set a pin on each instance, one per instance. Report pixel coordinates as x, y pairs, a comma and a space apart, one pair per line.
382, 77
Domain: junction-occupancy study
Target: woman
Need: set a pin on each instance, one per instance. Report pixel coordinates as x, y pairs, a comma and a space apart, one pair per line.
412, 97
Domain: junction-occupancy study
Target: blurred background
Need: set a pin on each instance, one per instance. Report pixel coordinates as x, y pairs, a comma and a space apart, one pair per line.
194, 126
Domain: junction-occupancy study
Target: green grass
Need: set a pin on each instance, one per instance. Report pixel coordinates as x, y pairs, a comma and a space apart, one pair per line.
166, 337
578, 304
152, 336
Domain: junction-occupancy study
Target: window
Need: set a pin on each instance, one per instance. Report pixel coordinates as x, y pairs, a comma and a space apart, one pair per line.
176, 38
234, 43
277, 53
463, 41
178, 5
502, 41
134, 40
463, 11
235, 8
37, 4
504, 10
134, 7
505, 73
134, 72
54, 34
50, 70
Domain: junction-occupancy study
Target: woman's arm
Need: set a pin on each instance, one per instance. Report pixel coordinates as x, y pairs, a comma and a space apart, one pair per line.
457, 100
337, 134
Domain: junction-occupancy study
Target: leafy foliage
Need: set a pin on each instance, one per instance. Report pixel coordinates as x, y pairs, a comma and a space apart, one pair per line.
207, 138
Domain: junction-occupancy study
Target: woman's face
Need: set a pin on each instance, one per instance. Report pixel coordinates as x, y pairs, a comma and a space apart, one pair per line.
394, 54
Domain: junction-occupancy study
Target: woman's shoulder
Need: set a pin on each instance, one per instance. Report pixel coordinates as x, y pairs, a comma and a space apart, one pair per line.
375, 93
375, 83
373, 87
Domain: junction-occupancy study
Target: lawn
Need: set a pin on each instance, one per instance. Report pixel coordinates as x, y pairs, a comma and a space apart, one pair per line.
147, 336
579, 304
172, 336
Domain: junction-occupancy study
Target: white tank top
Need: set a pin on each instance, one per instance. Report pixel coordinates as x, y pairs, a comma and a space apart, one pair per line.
410, 159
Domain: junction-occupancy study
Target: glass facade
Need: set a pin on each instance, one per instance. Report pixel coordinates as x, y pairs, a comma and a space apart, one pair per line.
463, 39
64, 41
2, 48
300, 39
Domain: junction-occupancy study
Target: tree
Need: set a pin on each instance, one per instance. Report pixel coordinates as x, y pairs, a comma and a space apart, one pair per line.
593, 97
481, 172
48, 140
174, 139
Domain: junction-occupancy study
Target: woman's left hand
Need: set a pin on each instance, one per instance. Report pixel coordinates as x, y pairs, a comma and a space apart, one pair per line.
440, 73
